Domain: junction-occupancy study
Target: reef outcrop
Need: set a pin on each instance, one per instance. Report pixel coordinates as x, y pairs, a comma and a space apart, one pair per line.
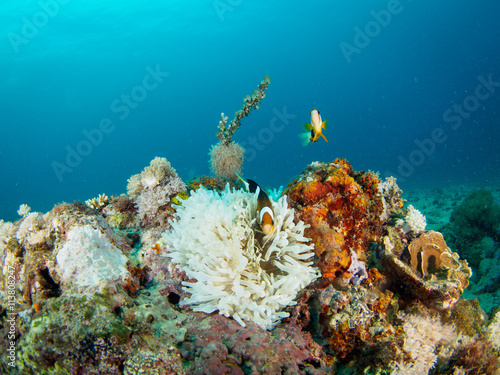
349, 282
343, 209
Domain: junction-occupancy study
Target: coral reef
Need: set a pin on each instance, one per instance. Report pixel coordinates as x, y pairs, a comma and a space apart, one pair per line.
120, 212
467, 317
132, 284
425, 338
391, 197
355, 320
152, 190
430, 255
24, 210
493, 332
208, 182
237, 270
224, 347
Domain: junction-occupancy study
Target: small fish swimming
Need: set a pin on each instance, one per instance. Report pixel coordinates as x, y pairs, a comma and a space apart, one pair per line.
265, 213
314, 129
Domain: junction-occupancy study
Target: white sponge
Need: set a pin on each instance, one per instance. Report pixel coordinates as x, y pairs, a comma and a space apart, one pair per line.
89, 260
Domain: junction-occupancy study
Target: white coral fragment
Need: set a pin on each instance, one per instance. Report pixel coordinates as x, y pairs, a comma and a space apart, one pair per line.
415, 221
98, 203
24, 210
234, 268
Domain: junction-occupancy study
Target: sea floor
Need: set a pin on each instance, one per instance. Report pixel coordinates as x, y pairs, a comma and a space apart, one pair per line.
438, 202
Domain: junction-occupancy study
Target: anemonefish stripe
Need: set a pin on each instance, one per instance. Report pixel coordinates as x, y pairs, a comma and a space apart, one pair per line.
264, 210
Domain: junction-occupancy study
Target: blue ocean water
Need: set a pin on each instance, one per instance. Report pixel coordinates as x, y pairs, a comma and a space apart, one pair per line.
91, 91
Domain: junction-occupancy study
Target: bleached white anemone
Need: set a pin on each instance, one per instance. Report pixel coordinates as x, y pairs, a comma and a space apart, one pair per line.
237, 270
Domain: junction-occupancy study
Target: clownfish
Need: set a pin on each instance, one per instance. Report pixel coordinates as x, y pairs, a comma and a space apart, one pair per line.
314, 129
265, 213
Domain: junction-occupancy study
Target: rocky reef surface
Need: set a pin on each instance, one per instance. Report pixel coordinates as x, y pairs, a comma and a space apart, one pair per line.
89, 288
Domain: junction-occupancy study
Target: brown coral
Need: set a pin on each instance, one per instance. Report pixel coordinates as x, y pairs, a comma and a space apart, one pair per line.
448, 276
430, 255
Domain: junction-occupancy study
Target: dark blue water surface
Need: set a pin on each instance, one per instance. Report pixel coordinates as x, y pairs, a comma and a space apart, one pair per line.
91, 91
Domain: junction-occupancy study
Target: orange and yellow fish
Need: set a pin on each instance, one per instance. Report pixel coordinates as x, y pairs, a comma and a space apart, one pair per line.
314, 129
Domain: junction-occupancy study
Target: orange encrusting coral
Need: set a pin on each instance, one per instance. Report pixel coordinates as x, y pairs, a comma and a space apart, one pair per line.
342, 208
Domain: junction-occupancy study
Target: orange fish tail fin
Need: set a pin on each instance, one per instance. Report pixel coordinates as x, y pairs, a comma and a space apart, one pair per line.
324, 137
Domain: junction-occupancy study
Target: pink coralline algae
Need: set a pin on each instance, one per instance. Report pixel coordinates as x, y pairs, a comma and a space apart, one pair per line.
223, 346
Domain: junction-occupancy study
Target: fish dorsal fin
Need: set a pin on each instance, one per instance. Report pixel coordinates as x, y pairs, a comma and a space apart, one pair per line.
253, 186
